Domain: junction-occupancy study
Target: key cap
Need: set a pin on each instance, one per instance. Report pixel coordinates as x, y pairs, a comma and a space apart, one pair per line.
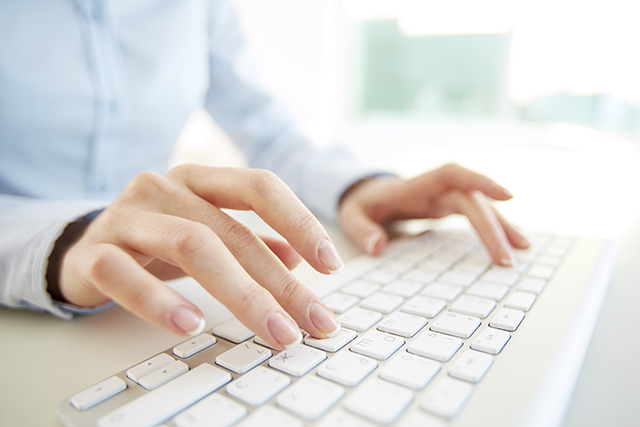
403, 288
258, 386
298, 360
421, 275
159, 405
381, 302
435, 346
333, 344
310, 397
520, 301
243, 357
194, 345
377, 344
442, 291
473, 306
446, 398
532, 284
492, 291
491, 341
507, 319
379, 401
383, 276
410, 371
403, 324
359, 319
339, 303
503, 276
339, 418
98, 393
234, 331
361, 288
424, 306
213, 411
471, 366
420, 419
268, 416
541, 271
458, 325
347, 368
151, 365
164, 375
458, 277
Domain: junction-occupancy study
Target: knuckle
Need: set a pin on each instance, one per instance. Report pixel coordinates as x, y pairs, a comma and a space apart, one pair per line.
190, 239
290, 291
99, 267
250, 298
145, 184
305, 223
239, 238
263, 181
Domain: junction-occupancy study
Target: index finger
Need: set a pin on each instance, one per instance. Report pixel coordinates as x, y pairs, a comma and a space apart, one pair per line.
268, 196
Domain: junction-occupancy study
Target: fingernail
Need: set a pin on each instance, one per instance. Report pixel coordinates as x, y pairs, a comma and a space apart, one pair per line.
329, 257
324, 320
371, 242
505, 253
284, 331
187, 320
522, 240
505, 191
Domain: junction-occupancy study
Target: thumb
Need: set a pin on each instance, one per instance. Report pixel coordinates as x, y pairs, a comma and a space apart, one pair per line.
368, 234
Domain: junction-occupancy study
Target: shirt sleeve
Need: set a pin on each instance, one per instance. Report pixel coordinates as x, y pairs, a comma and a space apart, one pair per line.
264, 131
29, 228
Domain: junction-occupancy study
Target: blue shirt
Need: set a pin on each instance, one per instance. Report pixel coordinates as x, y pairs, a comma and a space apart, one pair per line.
93, 92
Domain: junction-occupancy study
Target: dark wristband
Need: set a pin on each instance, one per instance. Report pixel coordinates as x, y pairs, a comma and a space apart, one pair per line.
69, 236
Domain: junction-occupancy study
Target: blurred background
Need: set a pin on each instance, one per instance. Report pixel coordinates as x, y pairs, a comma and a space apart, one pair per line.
543, 96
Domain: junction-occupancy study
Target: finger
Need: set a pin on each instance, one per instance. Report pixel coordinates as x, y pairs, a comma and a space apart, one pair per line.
516, 238
264, 193
367, 233
283, 250
196, 249
453, 176
117, 275
164, 271
482, 216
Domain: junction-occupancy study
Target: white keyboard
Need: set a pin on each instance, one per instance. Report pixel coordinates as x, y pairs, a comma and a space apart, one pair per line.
433, 334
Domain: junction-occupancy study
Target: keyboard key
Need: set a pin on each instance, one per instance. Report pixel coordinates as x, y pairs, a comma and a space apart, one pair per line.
442, 291
503, 276
213, 411
421, 275
507, 319
458, 325
339, 418
164, 375
492, 291
446, 398
520, 301
347, 368
243, 357
298, 360
532, 284
381, 302
361, 288
151, 365
424, 306
332, 344
98, 393
473, 306
403, 324
268, 416
541, 271
234, 331
420, 419
194, 345
471, 366
410, 371
379, 401
339, 303
258, 386
435, 346
458, 277
159, 405
403, 288
310, 397
377, 345
359, 319
491, 341
384, 276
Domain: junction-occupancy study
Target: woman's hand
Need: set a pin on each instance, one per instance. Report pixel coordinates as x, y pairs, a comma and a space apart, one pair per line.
163, 227
450, 189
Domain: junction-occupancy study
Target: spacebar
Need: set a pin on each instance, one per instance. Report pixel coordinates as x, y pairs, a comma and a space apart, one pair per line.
163, 403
